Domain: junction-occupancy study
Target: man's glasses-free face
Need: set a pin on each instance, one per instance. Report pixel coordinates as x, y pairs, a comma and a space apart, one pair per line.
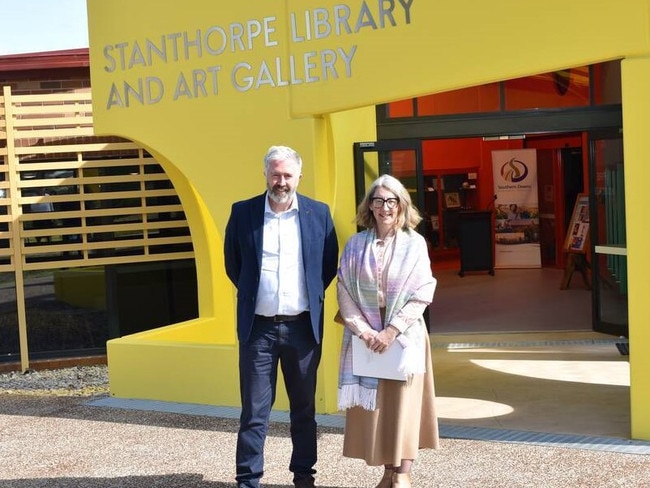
377, 202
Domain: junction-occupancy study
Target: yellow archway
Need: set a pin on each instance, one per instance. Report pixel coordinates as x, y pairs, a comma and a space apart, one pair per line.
208, 88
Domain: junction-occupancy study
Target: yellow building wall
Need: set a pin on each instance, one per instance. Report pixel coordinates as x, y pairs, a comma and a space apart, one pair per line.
635, 73
208, 88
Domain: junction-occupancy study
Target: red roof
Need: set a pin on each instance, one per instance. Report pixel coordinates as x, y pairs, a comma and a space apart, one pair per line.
68, 58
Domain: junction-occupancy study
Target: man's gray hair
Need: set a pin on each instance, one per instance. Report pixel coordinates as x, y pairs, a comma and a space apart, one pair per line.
281, 153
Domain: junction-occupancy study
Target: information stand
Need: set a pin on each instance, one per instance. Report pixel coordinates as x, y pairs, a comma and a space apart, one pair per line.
576, 243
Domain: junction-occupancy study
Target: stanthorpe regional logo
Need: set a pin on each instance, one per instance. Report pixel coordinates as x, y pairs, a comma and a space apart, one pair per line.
514, 171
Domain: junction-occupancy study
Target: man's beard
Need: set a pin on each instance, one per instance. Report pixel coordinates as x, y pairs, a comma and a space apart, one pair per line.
281, 196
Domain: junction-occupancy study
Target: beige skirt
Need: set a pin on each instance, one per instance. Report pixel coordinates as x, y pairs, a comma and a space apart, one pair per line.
403, 422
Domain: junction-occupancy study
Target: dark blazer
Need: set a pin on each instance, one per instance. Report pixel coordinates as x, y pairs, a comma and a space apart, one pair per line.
243, 257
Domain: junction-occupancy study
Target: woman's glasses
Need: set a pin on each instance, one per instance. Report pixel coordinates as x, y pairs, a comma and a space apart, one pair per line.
378, 202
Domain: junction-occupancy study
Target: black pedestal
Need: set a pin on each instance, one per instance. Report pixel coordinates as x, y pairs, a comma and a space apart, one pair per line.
475, 240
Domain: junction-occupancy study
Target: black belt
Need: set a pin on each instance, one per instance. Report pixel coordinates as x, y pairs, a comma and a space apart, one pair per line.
283, 318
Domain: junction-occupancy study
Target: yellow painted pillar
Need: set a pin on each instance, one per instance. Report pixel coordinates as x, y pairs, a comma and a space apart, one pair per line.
345, 128
635, 73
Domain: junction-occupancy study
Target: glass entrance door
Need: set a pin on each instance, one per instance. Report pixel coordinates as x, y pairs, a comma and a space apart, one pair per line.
609, 252
399, 158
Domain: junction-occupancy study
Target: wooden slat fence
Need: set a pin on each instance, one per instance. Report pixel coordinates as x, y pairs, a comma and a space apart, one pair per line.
71, 199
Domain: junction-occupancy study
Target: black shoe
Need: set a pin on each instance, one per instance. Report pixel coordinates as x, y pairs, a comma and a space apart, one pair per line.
306, 482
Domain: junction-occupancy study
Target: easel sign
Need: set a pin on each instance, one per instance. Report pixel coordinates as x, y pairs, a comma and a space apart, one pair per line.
576, 243
577, 237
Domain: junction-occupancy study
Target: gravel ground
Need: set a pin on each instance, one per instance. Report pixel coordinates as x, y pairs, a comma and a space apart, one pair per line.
50, 437
77, 381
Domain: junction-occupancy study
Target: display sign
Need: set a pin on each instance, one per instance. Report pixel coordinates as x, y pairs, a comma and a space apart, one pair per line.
577, 235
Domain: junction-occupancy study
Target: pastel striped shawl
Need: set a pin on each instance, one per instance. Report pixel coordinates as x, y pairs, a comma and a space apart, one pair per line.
409, 279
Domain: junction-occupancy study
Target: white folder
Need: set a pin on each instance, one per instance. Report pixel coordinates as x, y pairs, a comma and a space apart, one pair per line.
374, 365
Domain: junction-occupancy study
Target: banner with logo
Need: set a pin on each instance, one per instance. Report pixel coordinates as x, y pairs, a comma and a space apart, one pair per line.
517, 209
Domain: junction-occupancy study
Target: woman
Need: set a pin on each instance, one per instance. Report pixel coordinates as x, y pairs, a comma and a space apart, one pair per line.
513, 211
384, 286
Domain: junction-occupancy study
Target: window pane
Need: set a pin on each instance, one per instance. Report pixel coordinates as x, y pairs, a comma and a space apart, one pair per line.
403, 108
606, 79
9, 338
565, 88
610, 239
483, 98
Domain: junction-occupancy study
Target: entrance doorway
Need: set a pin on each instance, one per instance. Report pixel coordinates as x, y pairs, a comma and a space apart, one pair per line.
560, 179
563, 173
577, 138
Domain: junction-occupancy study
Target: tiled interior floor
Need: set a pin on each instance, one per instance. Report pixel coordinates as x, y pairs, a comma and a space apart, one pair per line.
513, 300
513, 351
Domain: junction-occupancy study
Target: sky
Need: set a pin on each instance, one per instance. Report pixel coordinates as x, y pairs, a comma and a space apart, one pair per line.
29, 26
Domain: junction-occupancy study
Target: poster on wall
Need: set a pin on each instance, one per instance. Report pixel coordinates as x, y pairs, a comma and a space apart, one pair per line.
516, 234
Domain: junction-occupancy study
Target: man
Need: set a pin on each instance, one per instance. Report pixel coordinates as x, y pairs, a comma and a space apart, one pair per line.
281, 253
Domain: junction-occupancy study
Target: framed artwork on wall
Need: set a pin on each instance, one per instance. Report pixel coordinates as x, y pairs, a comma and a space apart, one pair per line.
452, 199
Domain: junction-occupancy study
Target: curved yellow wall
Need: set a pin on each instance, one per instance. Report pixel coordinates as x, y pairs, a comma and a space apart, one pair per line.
208, 88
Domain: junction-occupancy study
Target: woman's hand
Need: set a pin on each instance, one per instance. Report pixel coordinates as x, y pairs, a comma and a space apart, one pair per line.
384, 339
368, 337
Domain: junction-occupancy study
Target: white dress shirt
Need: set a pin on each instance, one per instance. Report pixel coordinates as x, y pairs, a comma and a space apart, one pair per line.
282, 289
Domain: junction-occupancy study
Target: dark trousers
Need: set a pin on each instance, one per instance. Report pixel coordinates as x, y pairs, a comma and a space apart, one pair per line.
292, 346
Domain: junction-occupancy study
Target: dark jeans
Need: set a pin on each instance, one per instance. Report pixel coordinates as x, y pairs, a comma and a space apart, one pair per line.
292, 345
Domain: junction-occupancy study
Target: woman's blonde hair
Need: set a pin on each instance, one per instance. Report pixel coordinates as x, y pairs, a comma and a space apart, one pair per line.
408, 216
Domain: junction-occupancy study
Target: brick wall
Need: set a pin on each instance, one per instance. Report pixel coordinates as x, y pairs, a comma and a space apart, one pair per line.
47, 81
